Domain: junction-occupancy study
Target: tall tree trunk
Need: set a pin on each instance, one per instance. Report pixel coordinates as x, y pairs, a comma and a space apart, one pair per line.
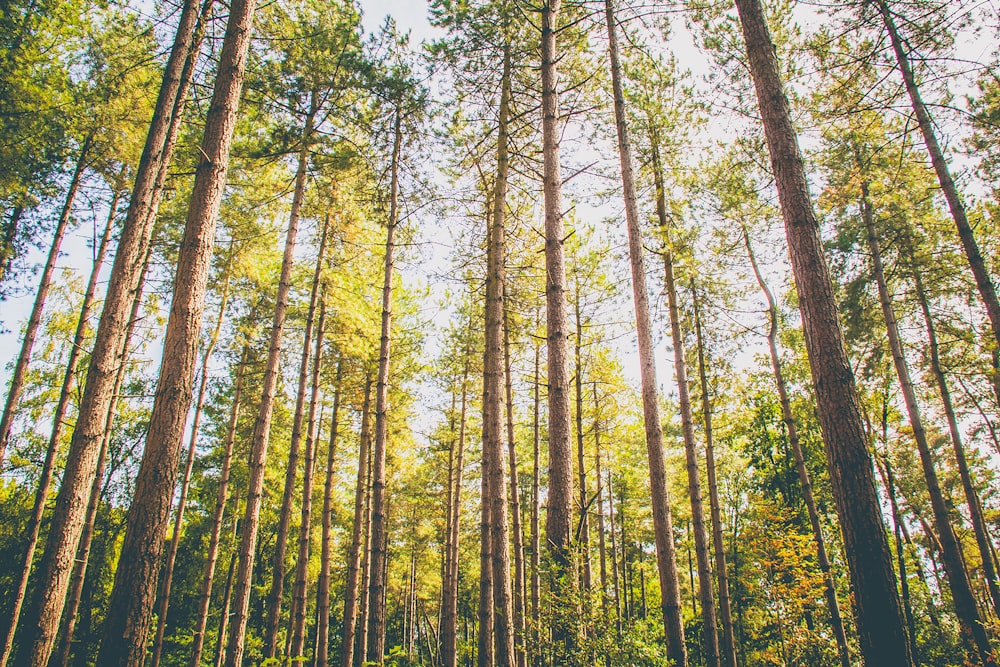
226, 611
666, 558
215, 533
65, 393
375, 650
705, 588
515, 501
496, 550
584, 526
601, 528
168, 568
616, 583
273, 619
262, 430
322, 652
536, 583
361, 643
969, 620
971, 496
558, 523
34, 321
792, 431
879, 615
357, 533
130, 607
56, 565
728, 647
984, 283
300, 587
449, 599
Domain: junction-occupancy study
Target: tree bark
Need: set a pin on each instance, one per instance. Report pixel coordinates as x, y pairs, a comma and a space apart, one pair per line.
536, 583
322, 652
584, 525
357, 533
69, 515
879, 615
291, 470
31, 328
666, 558
449, 598
48, 466
558, 524
705, 587
973, 631
792, 431
515, 501
728, 645
375, 650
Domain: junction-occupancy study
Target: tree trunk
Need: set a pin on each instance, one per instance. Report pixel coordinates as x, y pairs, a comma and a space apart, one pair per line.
705, 587
515, 503
879, 615
291, 470
227, 603
48, 466
969, 620
168, 568
496, 550
322, 652
601, 528
449, 598
69, 515
536, 583
31, 328
375, 650
584, 526
357, 533
728, 647
558, 523
262, 433
792, 431
971, 496
299, 589
215, 533
666, 558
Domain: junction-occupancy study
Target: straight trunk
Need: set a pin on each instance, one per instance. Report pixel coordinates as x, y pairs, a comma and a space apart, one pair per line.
728, 647
215, 533
705, 587
601, 528
48, 466
791, 430
584, 526
322, 652
291, 470
971, 496
227, 604
31, 330
879, 616
973, 632
300, 589
515, 504
168, 568
357, 533
536, 583
666, 558
449, 598
262, 433
559, 519
56, 565
375, 650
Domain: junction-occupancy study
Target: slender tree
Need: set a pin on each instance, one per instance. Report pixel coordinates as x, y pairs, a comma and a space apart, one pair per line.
322, 651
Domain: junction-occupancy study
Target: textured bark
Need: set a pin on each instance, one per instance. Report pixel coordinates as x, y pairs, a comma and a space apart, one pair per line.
299, 588
968, 485
515, 503
274, 597
56, 564
966, 610
705, 587
130, 606
449, 593
218, 513
168, 568
358, 532
375, 650
62, 406
728, 645
322, 652
666, 558
791, 430
262, 432
496, 549
31, 328
559, 512
879, 616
